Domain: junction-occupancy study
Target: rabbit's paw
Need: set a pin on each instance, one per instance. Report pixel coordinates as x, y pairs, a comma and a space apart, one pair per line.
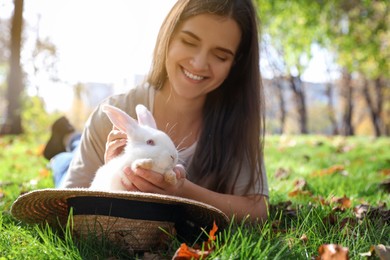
170, 177
142, 163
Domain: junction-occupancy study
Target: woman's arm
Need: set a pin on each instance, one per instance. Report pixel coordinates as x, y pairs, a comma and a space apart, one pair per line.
255, 206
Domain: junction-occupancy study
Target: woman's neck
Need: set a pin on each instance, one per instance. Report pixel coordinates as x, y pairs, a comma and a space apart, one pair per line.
180, 119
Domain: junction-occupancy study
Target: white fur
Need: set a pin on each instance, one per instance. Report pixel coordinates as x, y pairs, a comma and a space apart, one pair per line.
160, 157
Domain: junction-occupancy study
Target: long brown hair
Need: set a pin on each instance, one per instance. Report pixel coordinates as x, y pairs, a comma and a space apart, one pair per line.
233, 114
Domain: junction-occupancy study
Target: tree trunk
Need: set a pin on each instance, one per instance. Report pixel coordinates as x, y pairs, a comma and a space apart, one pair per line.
13, 123
282, 104
347, 106
331, 112
300, 102
375, 109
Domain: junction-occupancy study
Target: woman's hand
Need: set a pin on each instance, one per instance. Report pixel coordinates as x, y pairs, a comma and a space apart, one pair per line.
153, 182
116, 141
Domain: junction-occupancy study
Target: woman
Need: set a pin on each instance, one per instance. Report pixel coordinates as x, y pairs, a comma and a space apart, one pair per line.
204, 90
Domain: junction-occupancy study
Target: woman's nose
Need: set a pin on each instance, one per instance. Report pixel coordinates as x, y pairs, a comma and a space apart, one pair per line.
199, 61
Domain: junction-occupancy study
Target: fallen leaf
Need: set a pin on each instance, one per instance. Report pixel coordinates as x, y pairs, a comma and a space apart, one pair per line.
282, 173
385, 172
329, 171
304, 238
343, 203
300, 184
381, 251
300, 189
332, 251
372, 213
185, 252
297, 192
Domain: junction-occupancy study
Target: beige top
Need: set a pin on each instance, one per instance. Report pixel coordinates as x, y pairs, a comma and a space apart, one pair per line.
90, 155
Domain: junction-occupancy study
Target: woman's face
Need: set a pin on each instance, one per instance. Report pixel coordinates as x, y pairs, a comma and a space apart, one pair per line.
201, 54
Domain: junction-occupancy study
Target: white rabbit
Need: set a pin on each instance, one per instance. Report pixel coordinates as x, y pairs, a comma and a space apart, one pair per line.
146, 147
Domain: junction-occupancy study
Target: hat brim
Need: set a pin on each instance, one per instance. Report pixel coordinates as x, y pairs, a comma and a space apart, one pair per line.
52, 206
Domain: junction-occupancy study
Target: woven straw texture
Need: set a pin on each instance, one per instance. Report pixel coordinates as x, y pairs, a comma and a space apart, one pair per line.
51, 206
137, 235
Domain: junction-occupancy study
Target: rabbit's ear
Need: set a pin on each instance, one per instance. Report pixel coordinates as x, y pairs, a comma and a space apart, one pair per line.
120, 119
145, 117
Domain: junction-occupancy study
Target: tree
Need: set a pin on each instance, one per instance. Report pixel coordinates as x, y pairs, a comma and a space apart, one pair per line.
13, 123
292, 27
357, 31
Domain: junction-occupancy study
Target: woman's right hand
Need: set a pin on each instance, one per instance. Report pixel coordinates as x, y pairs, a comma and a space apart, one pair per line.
116, 141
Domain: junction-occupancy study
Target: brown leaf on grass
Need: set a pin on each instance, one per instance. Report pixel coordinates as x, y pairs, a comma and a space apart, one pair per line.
321, 200
185, 252
373, 213
282, 173
332, 251
300, 184
342, 203
329, 171
304, 238
381, 251
385, 172
300, 189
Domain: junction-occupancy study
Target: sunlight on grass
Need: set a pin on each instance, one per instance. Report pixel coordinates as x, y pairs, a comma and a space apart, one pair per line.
308, 177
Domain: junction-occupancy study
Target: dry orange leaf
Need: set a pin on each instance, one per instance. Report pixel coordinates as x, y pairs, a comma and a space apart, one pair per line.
385, 172
296, 193
39, 150
44, 172
185, 252
329, 171
332, 251
344, 202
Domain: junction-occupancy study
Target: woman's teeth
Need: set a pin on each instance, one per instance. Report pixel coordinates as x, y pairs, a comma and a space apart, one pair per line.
192, 76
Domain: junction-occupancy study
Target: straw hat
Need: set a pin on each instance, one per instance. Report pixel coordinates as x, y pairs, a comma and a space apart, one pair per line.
133, 219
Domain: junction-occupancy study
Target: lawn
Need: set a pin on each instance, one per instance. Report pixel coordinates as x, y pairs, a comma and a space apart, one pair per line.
323, 190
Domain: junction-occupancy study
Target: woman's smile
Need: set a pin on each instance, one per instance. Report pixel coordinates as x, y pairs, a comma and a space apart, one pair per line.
193, 76
201, 54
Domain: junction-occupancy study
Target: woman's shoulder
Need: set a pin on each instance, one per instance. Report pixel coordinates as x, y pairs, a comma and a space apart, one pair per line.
139, 94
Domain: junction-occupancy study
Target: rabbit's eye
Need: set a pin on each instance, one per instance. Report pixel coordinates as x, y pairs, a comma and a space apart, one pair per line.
150, 142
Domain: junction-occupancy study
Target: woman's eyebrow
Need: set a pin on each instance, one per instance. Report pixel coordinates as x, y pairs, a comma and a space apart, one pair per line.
191, 34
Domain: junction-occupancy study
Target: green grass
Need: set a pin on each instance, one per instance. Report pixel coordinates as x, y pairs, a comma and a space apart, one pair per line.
297, 225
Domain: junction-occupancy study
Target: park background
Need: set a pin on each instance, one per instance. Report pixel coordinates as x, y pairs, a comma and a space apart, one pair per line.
325, 64
326, 75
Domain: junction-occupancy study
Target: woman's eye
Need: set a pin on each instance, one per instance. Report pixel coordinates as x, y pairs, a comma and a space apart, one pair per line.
188, 43
221, 58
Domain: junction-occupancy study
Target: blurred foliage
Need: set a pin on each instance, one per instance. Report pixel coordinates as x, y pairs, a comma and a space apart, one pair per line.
36, 121
356, 31
293, 27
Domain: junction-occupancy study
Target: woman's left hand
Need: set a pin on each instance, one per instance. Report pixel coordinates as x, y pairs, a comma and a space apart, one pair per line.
153, 182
